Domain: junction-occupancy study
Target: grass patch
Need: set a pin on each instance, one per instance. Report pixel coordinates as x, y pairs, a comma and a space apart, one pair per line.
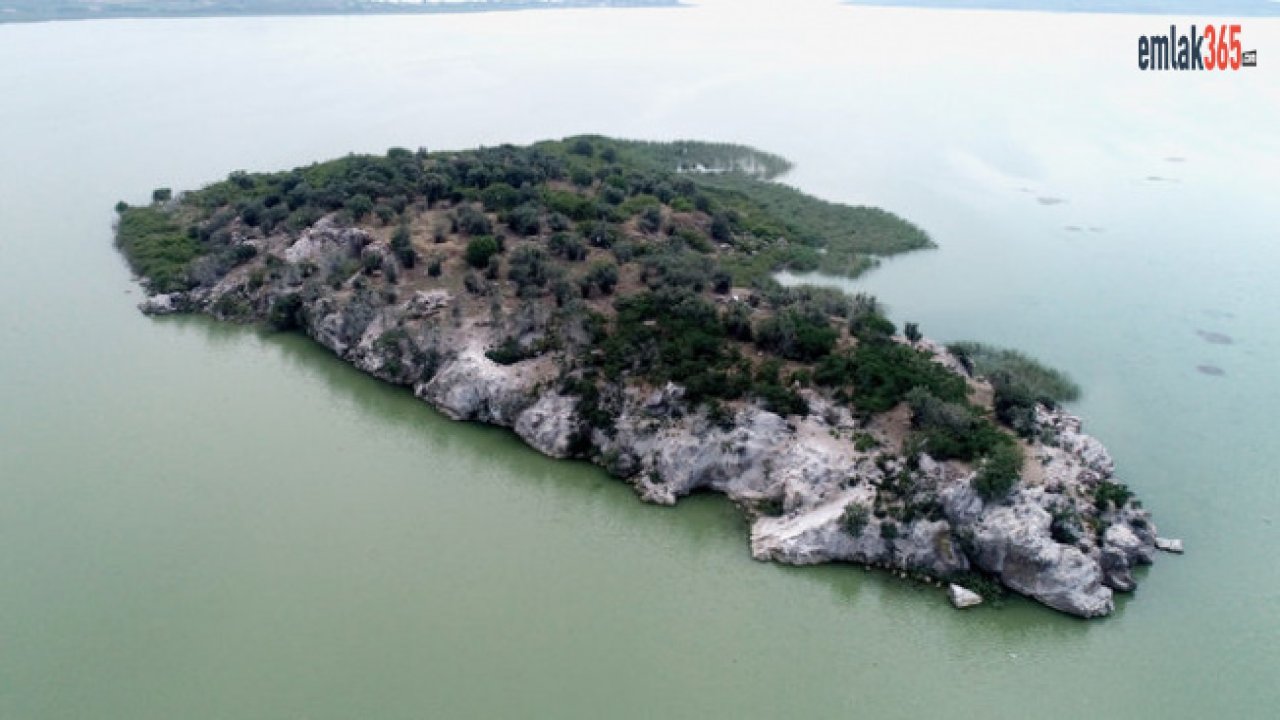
157, 247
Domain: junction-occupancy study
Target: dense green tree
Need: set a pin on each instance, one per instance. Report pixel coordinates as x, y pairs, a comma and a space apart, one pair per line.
480, 249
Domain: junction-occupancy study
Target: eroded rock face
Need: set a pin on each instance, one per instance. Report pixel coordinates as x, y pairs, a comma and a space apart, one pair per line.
473, 387
1014, 544
827, 501
549, 424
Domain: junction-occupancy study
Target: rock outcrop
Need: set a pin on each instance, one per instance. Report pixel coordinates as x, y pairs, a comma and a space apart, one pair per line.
962, 597
812, 493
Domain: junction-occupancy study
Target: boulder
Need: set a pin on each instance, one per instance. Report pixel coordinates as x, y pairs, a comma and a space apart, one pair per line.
962, 597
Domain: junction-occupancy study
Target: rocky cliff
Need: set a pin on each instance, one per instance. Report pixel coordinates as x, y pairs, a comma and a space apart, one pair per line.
822, 486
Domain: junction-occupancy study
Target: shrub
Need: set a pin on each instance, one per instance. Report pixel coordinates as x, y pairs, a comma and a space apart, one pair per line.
1066, 527
999, 472
567, 247
912, 332
882, 374
286, 312
480, 249
525, 220
402, 246
604, 275
1110, 495
471, 221
797, 335
952, 430
509, 353
855, 518
530, 267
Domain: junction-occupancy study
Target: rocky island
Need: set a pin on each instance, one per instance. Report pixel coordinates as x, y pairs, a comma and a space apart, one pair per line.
614, 301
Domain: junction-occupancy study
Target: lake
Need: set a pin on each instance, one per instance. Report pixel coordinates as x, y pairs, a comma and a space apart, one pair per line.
205, 521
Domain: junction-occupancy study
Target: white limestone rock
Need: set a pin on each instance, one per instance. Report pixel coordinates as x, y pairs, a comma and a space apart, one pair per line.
962, 597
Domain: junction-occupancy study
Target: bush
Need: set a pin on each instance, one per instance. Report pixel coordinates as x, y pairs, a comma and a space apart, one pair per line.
1110, 495
952, 430
525, 220
530, 267
797, 335
567, 247
882, 374
912, 332
999, 472
855, 518
402, 246
509, 353
480, 249
286, 312
471, 221
359, 205
604, 275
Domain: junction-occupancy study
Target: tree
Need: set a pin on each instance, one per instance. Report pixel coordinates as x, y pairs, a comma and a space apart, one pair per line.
721, 230
472, 222
912, 332
525, 220
402, 246
359, 205
567, 247
480, 249
603, 275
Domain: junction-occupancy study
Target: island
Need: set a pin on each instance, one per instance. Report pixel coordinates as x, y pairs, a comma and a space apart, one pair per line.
615, 301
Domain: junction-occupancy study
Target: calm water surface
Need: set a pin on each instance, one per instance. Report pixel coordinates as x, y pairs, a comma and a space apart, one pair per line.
203, 521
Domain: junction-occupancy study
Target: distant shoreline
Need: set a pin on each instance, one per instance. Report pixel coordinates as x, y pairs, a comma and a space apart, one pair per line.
1203, 8
9, 14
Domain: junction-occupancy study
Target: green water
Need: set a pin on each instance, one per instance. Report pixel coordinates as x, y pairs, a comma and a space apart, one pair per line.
202, 521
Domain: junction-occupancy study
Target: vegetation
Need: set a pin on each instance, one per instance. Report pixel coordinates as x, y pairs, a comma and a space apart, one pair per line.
626, 255
157, 246
1020, 382
1110, 495
481, 250
952, 430
999, 472
855, 518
